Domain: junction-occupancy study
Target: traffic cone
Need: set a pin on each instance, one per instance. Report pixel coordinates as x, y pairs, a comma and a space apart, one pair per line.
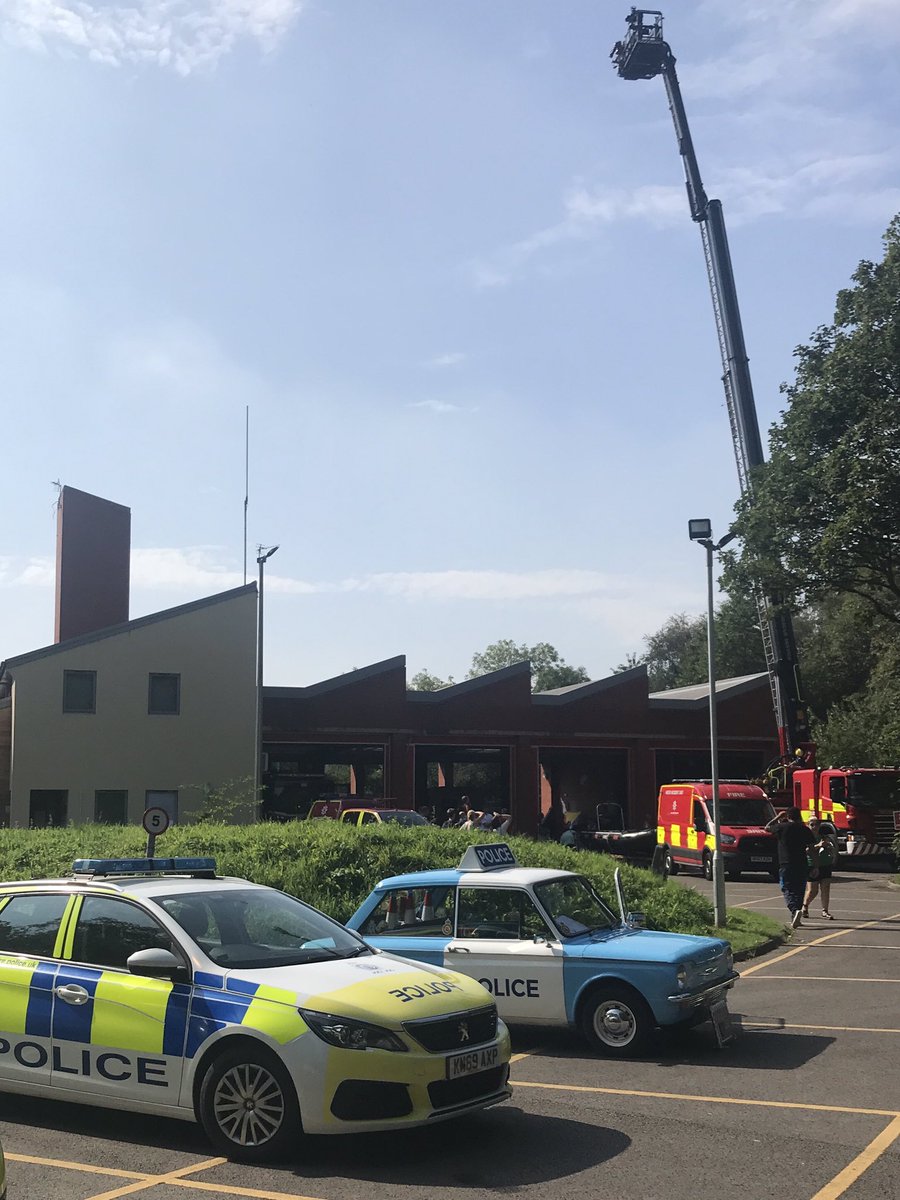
409, 910
392, 912
427, 908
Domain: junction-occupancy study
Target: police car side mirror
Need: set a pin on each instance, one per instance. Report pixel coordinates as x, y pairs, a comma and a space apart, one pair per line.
155, 963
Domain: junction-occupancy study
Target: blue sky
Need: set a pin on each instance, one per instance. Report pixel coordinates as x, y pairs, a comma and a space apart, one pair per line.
444, 255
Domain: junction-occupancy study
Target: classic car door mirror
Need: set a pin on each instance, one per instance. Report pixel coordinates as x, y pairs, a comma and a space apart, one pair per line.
156, 963
636, 920
539, 940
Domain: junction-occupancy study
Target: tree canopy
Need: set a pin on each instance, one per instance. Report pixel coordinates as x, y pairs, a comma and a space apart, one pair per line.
548, 669
824, 518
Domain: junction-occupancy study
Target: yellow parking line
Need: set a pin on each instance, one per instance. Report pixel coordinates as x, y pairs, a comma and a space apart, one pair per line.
828, 978
222, 1189
764, 900
524, 1054
36, 1160
827, 1028
831, 1108
816, 942
846, 1178
152, 1181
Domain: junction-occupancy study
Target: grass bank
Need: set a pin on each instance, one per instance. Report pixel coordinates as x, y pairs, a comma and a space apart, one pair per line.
334, 866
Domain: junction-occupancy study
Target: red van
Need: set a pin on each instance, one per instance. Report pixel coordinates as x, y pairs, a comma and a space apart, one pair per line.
685, 827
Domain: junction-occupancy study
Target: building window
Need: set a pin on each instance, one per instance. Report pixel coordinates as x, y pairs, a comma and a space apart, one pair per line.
166, 800
48, 809
111, 808
165, 695
79, 691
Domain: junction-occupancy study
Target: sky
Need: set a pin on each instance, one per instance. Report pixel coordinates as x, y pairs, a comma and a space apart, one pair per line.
443, 256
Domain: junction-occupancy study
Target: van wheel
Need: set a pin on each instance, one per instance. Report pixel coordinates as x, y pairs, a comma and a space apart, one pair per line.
616, 1020
671, 864
707, 865
248, 1106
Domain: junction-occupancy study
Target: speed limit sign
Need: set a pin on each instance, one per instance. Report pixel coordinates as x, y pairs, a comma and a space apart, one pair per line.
156, 821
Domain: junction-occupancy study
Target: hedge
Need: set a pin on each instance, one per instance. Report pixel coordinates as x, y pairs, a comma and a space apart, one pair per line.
334, 866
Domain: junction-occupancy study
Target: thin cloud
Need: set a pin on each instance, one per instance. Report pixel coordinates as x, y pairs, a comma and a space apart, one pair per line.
179, 35
436, 406
441, 361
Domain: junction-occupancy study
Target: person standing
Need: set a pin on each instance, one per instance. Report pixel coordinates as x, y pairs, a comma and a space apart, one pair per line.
794, 842
824, 855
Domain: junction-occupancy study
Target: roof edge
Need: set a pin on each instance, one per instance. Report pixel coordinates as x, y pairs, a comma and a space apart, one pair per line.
347, 679
463, 688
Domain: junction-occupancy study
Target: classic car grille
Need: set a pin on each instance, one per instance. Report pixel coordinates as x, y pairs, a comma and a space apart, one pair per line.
445, 1093
450, 1033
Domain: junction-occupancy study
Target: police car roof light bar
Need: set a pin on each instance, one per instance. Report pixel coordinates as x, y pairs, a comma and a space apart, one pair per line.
200, 868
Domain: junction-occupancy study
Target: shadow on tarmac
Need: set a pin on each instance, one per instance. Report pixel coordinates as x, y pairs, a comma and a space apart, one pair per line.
500, 1149
752, 1049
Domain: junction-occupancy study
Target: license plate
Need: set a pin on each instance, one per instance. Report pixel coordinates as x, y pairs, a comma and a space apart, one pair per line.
473, 1061
721, 1022
758, 858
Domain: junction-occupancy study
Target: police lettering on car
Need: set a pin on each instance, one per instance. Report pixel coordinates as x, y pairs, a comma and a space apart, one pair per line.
153, 985
548, 948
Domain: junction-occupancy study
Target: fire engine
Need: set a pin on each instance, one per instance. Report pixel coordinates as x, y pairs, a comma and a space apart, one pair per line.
863, 803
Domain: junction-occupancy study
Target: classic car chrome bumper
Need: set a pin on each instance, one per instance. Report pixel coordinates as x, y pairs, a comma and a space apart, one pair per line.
705, 995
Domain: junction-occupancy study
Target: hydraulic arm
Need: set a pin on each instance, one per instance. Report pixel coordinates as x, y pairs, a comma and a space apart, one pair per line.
644, 54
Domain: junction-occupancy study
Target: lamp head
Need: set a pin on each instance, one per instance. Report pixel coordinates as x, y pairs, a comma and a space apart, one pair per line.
700, 528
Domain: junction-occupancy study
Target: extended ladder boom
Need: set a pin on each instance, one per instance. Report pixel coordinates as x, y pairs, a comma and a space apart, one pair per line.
644, 54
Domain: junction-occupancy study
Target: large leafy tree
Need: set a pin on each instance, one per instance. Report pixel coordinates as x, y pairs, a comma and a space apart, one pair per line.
676, 655
548, 669
825, 514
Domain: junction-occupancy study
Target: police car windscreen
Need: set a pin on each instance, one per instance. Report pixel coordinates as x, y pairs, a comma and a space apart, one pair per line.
574, 906
245, 928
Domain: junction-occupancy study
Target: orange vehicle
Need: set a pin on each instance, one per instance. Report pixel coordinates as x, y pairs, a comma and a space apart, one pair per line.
685, 827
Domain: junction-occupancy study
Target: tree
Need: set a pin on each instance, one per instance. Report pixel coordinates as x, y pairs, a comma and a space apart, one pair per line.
676, 655
548, 669
424, 681
824, 517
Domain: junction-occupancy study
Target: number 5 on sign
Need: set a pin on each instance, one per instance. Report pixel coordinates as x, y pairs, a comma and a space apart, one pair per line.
156, 821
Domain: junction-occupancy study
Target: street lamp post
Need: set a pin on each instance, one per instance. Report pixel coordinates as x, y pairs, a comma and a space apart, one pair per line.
700, 530
263, 554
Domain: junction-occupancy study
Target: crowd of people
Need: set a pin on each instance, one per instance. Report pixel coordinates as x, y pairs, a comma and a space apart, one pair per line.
468, 817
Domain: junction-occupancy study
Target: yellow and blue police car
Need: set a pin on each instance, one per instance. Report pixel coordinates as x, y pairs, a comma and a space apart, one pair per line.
156, 986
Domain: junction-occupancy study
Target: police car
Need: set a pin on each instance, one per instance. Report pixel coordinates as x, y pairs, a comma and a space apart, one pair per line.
155, 986
549, 949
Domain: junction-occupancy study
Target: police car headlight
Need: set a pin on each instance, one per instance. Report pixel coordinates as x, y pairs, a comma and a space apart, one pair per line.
349, 1034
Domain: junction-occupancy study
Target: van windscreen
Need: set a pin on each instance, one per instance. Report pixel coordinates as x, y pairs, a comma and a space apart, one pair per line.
745, 812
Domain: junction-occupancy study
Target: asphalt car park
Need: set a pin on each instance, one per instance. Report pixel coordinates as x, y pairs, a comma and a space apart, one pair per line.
806, 1102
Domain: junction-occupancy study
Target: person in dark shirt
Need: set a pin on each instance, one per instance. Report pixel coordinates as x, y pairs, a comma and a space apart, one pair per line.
794, 841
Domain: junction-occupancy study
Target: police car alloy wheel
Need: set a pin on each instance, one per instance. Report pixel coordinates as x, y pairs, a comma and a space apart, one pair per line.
616, 1020
248, 1105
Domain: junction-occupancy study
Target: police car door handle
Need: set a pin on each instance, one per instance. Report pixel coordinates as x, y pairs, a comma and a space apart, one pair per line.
72, 993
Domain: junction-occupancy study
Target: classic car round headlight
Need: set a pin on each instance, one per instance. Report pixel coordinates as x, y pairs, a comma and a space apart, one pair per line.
681, 975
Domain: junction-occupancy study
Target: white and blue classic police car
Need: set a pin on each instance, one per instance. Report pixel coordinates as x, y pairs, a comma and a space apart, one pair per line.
153, 985
548, 948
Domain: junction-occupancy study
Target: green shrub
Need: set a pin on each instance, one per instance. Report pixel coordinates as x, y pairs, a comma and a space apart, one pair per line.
334, 867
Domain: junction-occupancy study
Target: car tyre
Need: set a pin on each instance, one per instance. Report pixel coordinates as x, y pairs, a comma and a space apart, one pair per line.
616, 1020
707, 865
671, 864
248, 1106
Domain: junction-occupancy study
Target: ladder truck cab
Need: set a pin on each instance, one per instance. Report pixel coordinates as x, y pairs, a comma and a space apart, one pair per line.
863, 804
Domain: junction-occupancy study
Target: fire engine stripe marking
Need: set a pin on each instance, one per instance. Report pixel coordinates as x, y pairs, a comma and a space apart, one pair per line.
846, 1178
816, 942
832, 1108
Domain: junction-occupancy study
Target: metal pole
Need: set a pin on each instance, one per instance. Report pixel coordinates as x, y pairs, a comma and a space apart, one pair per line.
718, 860
257, 774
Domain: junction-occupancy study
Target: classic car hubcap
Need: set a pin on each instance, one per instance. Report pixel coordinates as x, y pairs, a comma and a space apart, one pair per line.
614, 1023
249, 1105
